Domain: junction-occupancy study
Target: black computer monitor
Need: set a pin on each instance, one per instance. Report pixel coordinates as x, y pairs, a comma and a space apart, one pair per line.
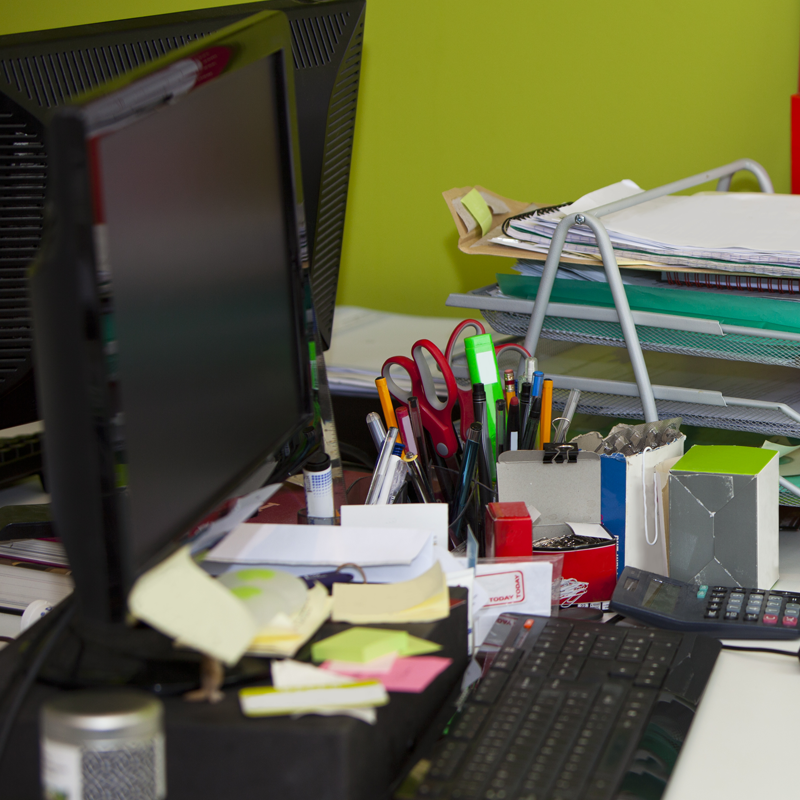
44, 69
172, 325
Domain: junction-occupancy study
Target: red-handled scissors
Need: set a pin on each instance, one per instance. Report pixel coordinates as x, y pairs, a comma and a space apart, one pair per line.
437, 415
465, 387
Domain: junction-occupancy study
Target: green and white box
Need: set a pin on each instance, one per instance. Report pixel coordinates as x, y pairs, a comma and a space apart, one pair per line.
723, 517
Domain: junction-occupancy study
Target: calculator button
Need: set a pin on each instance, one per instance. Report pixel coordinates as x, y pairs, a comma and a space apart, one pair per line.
769, 619
731, 615
702, 591
793, 606
789, 622
714, 606
711, 614
791, 612
751, 617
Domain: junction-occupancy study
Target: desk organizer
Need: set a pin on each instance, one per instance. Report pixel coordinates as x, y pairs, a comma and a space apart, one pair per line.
638, 331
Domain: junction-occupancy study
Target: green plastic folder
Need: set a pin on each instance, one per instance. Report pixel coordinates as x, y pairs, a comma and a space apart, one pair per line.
482, 364
747, 311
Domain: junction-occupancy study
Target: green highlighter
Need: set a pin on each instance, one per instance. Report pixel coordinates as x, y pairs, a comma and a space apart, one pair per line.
482, 364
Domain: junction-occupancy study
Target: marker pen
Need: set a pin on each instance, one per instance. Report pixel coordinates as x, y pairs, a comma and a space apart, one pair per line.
482, 364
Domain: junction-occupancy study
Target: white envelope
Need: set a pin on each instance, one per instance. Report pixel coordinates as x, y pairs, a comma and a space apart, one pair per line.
385, 555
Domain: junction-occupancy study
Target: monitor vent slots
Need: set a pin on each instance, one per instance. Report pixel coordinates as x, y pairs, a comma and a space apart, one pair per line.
314, 39
334, 182
23, 173
50, 79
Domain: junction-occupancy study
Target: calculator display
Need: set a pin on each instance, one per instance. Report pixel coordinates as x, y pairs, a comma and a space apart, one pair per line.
661, 597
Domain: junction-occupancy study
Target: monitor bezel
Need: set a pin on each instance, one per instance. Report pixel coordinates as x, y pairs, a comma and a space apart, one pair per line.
71, 364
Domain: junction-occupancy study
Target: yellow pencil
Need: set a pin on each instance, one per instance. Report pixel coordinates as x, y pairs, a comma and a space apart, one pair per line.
386, 405
546, 417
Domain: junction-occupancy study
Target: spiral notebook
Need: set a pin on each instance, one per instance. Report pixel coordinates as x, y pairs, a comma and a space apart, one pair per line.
721, 231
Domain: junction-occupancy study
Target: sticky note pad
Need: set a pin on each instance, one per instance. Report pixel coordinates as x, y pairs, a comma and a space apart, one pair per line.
477, 206
360, 644
177, 598
422, 599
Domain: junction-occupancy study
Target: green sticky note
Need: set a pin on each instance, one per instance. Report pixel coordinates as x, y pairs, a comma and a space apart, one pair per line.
419, 647
725, 460
360, 645
476, 206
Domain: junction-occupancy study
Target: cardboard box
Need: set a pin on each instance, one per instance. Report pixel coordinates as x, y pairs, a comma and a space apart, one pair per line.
723, 512
508, 530
567, 495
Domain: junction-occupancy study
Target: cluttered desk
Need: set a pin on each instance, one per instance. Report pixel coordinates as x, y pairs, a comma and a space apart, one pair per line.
499, 605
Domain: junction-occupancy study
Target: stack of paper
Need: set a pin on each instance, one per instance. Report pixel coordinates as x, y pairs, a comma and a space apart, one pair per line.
363, 339
727, 231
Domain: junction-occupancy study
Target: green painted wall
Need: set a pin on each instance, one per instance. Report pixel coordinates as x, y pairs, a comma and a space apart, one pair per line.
537, 100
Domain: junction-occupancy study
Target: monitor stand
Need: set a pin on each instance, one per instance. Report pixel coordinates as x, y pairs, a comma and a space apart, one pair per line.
91, 654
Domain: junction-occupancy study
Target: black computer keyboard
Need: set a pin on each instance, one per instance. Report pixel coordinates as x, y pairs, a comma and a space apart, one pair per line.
566, 711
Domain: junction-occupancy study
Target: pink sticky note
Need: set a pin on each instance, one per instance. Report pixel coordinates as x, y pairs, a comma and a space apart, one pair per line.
412, 674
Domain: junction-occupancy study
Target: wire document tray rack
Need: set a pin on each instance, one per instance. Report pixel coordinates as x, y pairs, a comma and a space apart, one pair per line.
638, 331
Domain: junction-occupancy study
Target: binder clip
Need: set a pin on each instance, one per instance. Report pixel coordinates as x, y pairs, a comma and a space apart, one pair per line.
558, 453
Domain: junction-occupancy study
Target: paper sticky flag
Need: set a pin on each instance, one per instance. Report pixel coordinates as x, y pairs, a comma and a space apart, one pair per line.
477, 206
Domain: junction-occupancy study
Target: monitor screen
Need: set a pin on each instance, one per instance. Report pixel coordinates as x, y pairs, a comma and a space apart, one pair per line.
192, 203
171, 333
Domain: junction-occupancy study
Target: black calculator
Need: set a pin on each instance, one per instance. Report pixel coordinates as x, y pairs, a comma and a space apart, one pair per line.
721, 611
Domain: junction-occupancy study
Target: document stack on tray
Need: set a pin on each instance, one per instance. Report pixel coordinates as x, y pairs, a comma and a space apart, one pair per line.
726, 231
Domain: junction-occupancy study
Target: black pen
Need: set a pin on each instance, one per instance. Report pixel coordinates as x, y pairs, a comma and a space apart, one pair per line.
513, 425
524, 408
468, 464
481, 415
500, 417
529, 434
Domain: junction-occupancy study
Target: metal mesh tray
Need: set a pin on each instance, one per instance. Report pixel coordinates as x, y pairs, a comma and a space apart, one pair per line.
731, 346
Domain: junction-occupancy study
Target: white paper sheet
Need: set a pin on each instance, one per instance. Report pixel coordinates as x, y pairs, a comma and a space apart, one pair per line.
319, 545
431, 517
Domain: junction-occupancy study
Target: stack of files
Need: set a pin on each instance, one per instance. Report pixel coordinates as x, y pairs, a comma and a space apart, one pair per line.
20, 586
36, 551
719, 231
363, 339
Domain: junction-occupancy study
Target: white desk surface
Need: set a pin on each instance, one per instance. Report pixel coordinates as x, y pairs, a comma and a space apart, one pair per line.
742, 742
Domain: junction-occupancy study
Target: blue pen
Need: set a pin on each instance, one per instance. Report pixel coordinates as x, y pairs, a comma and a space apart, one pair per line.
538, 382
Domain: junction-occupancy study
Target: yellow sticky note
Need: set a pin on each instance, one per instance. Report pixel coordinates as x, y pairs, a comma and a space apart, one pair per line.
476, 206
423, 599
179, 599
